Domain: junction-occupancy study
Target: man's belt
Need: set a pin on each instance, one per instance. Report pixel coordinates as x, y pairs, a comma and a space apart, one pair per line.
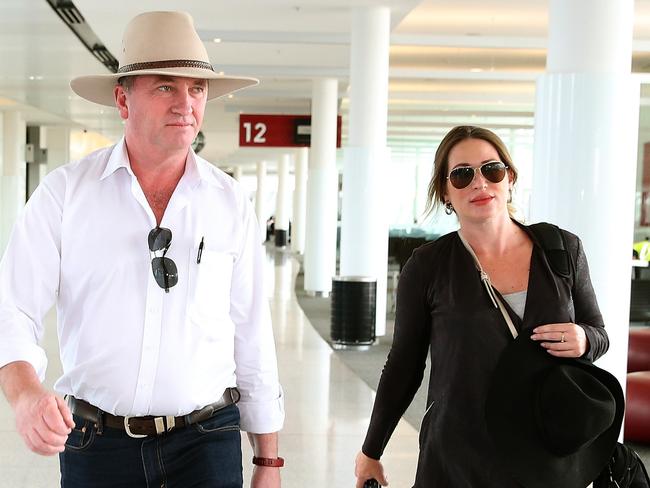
149, 425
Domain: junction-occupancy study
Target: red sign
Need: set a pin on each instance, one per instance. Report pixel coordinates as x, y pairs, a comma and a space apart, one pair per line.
260, 130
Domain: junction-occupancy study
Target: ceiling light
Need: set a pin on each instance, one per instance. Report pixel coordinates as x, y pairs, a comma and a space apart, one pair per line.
36, 77
476, 70
231, 95
216, 40
221, 73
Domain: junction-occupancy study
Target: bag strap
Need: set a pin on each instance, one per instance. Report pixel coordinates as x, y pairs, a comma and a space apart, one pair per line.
490, 289
552, 241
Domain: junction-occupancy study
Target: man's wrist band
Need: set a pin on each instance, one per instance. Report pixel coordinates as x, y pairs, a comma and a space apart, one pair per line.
268, 462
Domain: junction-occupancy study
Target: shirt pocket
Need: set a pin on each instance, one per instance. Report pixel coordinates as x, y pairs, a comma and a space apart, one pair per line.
209, 287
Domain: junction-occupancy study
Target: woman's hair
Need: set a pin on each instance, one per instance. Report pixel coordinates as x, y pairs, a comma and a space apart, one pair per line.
438, 183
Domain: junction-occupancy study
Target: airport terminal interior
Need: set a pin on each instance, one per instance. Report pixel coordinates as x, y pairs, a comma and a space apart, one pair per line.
507, 65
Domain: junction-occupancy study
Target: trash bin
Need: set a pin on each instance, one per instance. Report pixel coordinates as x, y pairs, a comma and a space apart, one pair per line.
353, 311
281, 237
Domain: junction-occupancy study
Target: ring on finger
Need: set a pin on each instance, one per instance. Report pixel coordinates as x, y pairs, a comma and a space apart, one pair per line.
562, 338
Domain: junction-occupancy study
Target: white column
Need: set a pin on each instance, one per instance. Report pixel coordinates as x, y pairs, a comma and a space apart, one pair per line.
237, 173
58, 147
283, 199
299, 201
260, 196
322, 190
423, 172
586, 126
364, 226
14, 171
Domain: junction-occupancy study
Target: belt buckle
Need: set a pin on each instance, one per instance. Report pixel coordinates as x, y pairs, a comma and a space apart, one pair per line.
128, 429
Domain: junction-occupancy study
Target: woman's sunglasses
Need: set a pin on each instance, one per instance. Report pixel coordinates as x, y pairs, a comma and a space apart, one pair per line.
462, 176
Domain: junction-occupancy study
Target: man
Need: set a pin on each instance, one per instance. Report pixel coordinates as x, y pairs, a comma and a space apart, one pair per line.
154, 259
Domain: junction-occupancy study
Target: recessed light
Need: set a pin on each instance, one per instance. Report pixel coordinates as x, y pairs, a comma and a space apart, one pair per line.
216, 40
231, 95
35, 77
476, 70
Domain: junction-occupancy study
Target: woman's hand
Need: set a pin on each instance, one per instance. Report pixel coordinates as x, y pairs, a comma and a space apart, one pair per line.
562, 340
366, 468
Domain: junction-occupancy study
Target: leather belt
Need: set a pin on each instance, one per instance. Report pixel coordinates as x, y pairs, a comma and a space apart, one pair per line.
145, 426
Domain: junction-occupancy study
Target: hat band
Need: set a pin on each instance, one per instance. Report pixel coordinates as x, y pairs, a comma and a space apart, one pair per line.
172, 63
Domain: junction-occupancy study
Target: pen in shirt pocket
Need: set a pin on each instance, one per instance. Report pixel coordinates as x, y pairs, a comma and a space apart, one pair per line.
198, 255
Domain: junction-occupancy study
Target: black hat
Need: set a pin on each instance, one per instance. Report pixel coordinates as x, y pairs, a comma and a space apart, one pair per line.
554, 421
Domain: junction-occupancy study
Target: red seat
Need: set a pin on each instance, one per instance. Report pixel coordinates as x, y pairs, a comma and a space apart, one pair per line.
638, 356
637, 410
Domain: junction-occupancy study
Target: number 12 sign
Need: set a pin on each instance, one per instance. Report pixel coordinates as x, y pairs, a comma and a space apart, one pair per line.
262, 130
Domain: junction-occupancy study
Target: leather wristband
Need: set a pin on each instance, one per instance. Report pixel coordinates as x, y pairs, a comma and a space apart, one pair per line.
268, 462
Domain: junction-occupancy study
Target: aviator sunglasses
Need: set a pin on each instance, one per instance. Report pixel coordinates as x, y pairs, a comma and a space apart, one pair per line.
164, 269
493, 171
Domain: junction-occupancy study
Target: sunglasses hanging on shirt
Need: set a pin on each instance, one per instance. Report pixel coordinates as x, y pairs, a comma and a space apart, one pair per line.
493, 171
164, 269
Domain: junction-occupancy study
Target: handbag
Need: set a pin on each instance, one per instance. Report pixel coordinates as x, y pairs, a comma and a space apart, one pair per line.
624, 470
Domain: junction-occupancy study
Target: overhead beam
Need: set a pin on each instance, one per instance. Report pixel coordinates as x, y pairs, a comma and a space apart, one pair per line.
343, 39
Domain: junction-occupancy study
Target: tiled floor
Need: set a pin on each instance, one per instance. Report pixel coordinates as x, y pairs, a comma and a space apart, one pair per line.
327, 407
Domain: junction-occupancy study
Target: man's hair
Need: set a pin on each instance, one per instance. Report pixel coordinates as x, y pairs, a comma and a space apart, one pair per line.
126, 82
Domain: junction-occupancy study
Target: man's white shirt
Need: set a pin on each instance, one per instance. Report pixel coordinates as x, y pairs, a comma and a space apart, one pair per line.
128, 347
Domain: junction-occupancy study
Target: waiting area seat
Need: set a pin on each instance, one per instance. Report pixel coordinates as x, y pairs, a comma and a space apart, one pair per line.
403, 241
640, 300
638, 350
637, 411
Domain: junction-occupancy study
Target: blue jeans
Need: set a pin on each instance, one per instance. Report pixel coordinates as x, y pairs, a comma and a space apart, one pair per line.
202, 455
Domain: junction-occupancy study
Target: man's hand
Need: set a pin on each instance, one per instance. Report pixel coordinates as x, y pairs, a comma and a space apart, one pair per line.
43, 419
265, 477
562, 340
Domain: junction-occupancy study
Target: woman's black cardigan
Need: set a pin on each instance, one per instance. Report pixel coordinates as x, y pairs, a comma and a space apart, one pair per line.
442, 306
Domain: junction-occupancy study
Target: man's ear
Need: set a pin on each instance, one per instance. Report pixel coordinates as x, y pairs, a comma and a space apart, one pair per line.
120, 101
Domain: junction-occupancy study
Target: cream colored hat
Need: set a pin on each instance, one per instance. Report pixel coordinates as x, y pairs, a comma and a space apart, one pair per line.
160, 43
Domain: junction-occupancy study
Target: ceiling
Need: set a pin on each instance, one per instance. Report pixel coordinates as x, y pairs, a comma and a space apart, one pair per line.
451, 62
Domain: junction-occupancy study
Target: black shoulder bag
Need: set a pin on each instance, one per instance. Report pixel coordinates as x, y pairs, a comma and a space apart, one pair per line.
625, 470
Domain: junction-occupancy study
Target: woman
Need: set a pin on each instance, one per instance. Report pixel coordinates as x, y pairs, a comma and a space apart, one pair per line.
443, 306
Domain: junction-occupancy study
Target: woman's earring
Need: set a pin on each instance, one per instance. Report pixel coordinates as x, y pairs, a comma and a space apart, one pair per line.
509, 195
449, 208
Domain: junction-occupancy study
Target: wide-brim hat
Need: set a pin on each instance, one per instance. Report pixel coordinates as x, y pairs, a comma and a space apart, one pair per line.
160, 43
554, 421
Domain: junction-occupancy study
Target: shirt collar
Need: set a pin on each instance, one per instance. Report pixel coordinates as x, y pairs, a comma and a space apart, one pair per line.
119, 158
196, 168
